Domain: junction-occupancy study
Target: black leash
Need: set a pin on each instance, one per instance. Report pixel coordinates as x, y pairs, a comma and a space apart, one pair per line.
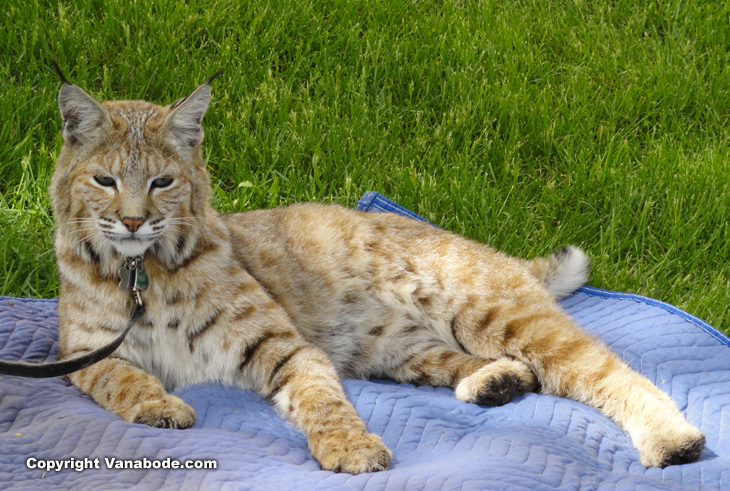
132, 277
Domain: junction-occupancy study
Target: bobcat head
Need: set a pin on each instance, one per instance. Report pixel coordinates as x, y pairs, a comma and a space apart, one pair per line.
130, 176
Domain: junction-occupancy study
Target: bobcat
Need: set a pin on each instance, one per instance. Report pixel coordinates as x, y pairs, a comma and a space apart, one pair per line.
287, 301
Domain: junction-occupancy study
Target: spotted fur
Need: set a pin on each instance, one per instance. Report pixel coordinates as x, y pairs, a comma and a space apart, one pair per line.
287, 301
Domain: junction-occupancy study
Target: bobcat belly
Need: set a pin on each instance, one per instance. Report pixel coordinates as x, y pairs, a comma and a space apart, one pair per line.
349, 284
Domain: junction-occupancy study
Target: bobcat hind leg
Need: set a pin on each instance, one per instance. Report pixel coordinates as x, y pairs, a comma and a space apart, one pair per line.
570, 363
477, 380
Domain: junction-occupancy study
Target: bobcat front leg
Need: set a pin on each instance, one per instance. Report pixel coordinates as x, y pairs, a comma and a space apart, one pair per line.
129, 392
303, 385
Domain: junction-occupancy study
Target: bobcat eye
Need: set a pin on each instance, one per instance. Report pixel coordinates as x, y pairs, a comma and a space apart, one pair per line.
161, 182
106, 181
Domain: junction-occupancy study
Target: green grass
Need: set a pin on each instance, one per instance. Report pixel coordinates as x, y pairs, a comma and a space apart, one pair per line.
527, 125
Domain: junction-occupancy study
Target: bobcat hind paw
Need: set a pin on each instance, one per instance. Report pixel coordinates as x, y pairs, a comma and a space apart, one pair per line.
497, 383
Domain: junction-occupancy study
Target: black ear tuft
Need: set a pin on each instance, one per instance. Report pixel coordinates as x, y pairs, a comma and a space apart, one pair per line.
59, 72
214, 76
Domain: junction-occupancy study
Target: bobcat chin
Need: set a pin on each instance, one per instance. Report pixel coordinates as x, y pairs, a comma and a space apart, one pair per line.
287, 301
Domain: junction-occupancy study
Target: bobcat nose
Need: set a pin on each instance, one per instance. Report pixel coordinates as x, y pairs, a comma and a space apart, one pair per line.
132, 223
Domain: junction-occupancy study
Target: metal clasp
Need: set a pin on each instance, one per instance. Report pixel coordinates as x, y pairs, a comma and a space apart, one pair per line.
132, 276
137, 296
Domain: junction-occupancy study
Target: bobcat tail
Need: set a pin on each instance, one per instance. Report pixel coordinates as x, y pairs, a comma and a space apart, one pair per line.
562, 272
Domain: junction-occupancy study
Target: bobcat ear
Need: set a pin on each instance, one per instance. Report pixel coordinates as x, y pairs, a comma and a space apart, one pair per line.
185, 119
83, 117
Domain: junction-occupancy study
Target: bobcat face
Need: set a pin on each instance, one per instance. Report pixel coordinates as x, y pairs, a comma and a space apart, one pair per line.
134, 193
132, 168
132, 217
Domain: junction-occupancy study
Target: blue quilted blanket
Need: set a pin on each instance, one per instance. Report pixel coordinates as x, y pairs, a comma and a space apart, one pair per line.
534, 442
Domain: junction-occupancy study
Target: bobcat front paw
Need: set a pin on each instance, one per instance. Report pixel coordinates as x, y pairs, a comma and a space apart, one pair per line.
351, 452
672, 445
168, 412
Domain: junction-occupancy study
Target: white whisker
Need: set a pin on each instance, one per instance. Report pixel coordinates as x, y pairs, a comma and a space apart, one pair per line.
84, 238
